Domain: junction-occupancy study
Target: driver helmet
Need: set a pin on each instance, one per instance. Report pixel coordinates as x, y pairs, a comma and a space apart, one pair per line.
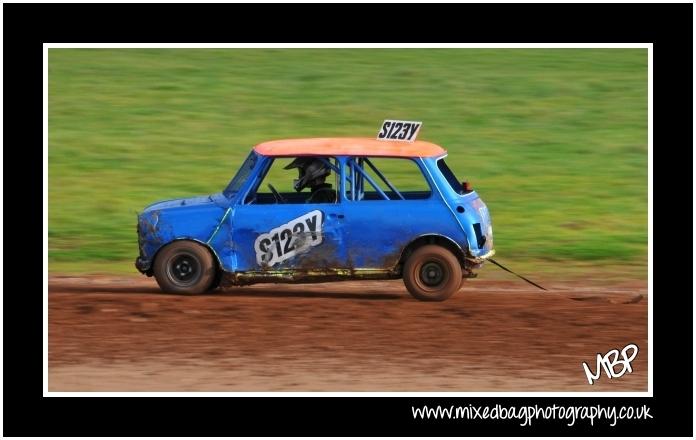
309, 170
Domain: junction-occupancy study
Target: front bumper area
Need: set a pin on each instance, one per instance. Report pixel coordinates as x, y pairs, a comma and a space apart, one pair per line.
143, 265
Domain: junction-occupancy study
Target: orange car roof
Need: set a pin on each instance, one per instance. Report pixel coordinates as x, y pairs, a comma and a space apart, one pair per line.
348, 147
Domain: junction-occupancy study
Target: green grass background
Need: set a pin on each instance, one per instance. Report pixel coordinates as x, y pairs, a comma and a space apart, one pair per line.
554, 140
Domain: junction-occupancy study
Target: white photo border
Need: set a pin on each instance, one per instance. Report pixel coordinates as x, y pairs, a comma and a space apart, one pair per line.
648, 46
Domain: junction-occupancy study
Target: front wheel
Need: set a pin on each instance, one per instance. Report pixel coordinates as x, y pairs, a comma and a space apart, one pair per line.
432, 273
185, 267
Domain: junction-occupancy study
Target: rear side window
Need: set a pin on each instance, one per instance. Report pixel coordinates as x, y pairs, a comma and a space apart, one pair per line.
381, 178
449, 175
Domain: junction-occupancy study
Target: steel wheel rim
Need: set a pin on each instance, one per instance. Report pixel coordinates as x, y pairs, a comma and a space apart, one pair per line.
184, 269
432, 275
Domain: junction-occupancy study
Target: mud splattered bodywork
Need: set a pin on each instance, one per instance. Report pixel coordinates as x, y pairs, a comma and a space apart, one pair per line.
352, 238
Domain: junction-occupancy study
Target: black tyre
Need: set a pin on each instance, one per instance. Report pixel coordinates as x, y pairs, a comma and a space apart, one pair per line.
185, 267
432, 273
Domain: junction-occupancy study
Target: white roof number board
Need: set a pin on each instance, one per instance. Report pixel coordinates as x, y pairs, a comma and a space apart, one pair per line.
402, 131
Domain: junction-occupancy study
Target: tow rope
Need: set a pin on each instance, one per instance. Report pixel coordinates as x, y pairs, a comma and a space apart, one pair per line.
508, 270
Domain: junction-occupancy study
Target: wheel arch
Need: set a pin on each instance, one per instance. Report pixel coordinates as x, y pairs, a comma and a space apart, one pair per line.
433, 238
216, 258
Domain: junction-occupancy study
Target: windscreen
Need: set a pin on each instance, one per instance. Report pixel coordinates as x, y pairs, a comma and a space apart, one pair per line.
242, 176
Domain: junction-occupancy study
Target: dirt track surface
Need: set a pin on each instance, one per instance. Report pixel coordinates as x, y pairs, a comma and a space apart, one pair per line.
123, 334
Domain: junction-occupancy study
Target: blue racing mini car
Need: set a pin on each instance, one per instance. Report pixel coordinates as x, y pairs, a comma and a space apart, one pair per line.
336, 216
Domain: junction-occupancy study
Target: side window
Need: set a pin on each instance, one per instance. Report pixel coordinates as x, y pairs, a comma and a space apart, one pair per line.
296, 180
381, 178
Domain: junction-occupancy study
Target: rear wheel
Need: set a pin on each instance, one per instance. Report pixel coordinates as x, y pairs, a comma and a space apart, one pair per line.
432, 273
185, 267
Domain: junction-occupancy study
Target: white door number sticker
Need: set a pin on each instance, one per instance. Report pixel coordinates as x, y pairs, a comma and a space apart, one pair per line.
294, 237
404, 131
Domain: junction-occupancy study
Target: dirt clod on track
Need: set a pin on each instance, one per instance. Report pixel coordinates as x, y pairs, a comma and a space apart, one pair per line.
123, 334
